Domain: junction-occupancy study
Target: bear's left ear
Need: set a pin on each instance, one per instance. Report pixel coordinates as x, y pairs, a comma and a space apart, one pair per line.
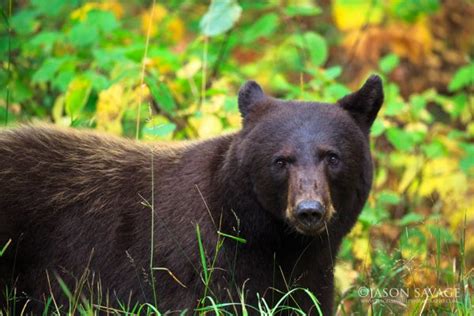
249, 94
364, 104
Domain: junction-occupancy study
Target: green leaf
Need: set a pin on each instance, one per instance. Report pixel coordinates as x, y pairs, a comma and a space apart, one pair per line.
394, 107
263, 27
435, 149
389, 197
20, 91
308, 9
467, 163
58, 109
315, 46
5, 246
161, 94
49, 7
220, 17
99, 81
333, 72
460, 102
238, 239
464, 77
412, 243
336, 91
389, 63
83, 34
47, 70
402, 140
373, 216
377, 128
24, 22
411, 218
441, 233
76, 97
410, 10
62, 80
202, 255
158, 128
105, 21
417, 104
46, 40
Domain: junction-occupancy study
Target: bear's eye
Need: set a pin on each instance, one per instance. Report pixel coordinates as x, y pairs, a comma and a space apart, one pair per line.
281, 162
333, 159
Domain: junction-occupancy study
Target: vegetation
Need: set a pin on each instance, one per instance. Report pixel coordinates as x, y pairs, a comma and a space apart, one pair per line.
170, 70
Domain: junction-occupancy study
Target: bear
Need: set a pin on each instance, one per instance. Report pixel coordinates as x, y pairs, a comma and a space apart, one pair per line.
91, 218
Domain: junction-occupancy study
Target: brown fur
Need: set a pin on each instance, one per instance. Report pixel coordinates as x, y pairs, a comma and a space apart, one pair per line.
78, 203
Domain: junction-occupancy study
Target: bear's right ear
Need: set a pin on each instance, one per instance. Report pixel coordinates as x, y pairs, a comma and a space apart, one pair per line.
249, 94
364, 104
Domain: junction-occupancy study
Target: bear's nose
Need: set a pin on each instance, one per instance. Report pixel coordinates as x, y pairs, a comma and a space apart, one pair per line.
310, 211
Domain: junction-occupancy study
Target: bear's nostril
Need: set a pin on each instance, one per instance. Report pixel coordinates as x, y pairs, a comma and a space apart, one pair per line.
310, 211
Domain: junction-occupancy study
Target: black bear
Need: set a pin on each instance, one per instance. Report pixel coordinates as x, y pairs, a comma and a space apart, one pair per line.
89, 218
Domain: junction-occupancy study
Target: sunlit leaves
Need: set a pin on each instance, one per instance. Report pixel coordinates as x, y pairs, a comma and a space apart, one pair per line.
263, 27
409, 10
25, 21
467, 161
47, 70
220, 17
83, 34
151, 19
413, 243
158, 128
104, 21
50, 7
350, 14
333, 72
307, 9
207, 125
401, 139
411, 218
76, 96
464, 77
377, 128
389, 62
161, 94
314, 45
110, 108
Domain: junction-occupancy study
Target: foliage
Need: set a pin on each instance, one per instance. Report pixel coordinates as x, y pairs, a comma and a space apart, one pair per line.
171, 71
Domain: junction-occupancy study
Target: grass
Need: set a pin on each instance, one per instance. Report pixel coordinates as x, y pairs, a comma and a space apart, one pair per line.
378, 278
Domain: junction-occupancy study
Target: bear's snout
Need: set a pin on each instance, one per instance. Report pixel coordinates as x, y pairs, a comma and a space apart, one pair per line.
309, 212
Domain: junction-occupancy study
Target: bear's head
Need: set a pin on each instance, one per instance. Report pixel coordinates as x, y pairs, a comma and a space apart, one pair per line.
309, 163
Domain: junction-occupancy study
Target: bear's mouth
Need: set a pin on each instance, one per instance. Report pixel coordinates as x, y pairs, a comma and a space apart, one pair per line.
309, 229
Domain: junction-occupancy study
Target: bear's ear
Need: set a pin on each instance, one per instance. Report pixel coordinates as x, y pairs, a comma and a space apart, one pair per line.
364, 104
249, 94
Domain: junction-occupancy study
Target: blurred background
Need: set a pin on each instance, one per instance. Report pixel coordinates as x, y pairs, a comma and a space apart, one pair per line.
170, 70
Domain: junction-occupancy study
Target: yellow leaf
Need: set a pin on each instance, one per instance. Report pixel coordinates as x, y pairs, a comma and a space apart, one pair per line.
151, 17
214, 105
441, 175
412, 166
413, 41
110, 107
353, 14
190, 69
113, 6
361, 250
234, 119
344, 276
176, 29
209, 125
